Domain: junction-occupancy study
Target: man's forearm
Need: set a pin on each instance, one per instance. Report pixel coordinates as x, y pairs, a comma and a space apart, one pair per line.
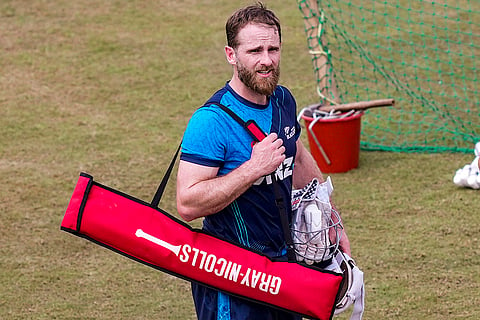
200, 192
210, 196
305, 168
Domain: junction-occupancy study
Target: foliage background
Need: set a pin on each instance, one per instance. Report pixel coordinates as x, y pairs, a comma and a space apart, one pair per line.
107, 87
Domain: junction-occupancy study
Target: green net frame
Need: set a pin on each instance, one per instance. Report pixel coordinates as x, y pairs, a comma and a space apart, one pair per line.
420, 53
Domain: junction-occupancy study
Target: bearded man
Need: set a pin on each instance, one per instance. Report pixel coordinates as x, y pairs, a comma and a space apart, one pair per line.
226, 178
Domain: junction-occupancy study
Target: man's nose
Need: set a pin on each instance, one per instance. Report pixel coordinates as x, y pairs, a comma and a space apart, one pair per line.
266, 58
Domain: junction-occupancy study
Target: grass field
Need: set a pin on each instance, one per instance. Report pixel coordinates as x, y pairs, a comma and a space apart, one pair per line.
107, 87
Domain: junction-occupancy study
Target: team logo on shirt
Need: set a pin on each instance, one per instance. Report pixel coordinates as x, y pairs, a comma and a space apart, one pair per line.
283, 171
289, 132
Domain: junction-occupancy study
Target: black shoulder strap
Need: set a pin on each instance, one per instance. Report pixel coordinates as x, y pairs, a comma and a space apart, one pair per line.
161, 188
257, 134
251, 126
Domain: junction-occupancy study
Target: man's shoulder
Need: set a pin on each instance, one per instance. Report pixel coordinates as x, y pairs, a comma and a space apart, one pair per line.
282, 92
208, 114
284, 98
210, 108
282, 87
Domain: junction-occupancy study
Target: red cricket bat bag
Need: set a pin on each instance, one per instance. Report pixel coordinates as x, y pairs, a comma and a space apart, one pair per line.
147, 234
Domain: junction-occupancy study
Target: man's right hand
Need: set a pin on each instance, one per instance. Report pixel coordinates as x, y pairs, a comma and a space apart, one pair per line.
267, 155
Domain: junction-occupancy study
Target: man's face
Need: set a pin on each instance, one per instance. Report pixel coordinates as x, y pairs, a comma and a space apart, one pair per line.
258, 58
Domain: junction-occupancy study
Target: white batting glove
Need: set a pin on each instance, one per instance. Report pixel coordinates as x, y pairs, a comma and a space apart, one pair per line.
299, 235
316, 225
312, 214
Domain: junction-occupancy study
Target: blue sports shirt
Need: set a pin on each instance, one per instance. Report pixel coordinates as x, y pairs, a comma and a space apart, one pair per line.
213, 138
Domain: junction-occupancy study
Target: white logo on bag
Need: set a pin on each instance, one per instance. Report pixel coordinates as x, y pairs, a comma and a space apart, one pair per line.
220, 267
141, 234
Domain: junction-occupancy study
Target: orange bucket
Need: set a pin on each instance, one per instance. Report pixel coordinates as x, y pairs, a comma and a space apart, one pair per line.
335, 142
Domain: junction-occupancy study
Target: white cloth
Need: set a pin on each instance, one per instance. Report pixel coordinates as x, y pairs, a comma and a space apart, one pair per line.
469, 175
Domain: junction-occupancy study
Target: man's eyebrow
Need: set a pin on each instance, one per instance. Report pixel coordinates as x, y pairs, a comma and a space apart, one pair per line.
257, 48
260, 47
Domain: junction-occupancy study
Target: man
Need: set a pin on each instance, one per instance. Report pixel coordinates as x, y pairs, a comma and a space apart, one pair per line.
226, 178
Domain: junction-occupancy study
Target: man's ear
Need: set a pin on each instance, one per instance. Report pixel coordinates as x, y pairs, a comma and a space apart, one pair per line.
231, 56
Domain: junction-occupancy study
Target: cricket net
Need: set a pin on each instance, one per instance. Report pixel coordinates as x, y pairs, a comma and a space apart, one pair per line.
421, 53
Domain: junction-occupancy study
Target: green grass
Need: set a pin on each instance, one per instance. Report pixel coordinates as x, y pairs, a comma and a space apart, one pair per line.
107, 87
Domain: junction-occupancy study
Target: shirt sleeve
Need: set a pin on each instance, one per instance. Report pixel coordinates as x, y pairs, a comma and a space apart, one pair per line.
202, 142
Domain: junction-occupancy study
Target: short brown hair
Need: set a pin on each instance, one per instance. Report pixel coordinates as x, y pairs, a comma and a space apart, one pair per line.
257, 13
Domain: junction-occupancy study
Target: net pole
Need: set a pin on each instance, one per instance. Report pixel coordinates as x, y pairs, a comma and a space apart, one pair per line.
315, 31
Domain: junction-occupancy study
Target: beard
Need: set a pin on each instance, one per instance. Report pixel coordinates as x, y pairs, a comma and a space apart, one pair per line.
252, 80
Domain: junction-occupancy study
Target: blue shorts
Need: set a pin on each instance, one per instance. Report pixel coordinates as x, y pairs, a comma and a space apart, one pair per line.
211, 304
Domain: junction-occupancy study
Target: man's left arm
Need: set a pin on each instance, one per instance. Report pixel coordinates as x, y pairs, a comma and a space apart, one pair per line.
305, 168
304, 171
